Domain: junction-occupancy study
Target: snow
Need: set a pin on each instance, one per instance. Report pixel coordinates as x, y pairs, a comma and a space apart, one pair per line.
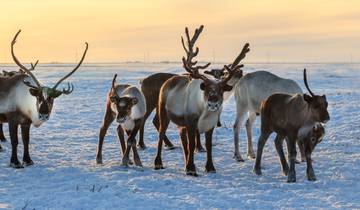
65, 175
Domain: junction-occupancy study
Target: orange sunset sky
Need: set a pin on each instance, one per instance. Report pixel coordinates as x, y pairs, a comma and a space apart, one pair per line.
129, 30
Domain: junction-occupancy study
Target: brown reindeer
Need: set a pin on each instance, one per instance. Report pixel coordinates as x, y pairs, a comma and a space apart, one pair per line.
125, 104
193, 103
25, 101
150, 86
286, 115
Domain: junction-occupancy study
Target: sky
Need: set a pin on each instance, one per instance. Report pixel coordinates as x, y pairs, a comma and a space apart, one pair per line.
150, 30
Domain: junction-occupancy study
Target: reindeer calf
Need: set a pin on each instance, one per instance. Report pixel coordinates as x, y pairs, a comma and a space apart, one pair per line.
287, 115
127, 105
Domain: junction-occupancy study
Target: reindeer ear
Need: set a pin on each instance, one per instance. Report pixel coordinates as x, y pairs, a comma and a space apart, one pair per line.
34, 92
202, 86
134, 101
113, 99
227, 87
307, 98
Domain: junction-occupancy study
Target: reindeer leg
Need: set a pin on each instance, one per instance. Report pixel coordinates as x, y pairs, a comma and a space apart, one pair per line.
167, 142
199, 148
1, 149
209, 168
291, 145
133, 136
14, 161
2, 136
164, 123
108, 119
141, 143
238, 122
25, 132
248, 125
183, 139
309, 170
261, 143
279, 148
120, 132
302, 151
190, 166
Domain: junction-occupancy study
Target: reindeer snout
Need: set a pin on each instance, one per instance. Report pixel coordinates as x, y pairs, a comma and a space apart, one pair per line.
44, 117
213, 106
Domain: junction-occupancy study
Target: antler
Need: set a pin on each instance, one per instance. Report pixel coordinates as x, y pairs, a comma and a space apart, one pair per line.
22, 67
70, 73
189, 65
232, 68
307, 85
113, 82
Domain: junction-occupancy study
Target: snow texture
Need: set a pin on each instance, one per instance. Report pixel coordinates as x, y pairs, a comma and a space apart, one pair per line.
65, 175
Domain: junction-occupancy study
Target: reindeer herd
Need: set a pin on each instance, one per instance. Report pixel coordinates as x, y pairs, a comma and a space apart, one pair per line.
193, 101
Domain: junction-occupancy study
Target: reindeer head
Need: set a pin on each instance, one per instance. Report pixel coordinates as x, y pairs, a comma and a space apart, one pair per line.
311, 135
44, 95
121, 105
213, 89
216, 73
318, 104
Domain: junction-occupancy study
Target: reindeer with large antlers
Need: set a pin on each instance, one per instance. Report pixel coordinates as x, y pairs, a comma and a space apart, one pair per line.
25, 101
193, 103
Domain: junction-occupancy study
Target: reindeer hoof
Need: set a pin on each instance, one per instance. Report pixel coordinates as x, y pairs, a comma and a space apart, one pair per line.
99, 161
257, 171
219, 124
169, 147
138, 162
311, 176
141, 146
238, 158
16, 165
210, 169
28, 162
297, 161
191, 173
159, 167
291, 177
200, 149
1, 149
251, 156
3, 139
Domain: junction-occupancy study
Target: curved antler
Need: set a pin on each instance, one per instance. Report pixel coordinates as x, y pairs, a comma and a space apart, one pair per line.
70, 73
306, 84
22, 67
113, 81
232, 68
189, 65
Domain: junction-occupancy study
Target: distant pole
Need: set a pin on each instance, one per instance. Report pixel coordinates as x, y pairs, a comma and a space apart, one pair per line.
268, 56
351, 58
144, 57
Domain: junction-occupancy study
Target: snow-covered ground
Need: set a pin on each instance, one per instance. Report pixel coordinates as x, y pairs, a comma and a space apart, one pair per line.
65, 175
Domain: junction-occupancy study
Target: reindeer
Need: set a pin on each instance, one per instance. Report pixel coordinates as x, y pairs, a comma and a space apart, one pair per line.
25, 101
10, 74
250, 91
150, 86
127, 105
193, 103
287, 115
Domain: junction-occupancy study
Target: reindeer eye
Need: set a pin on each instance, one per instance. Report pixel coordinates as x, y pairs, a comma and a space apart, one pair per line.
313, 140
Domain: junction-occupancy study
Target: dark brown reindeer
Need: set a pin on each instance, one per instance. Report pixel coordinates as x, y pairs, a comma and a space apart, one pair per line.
193, 103
25, 101
10, 74
287, 115
150, 86
127, 105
